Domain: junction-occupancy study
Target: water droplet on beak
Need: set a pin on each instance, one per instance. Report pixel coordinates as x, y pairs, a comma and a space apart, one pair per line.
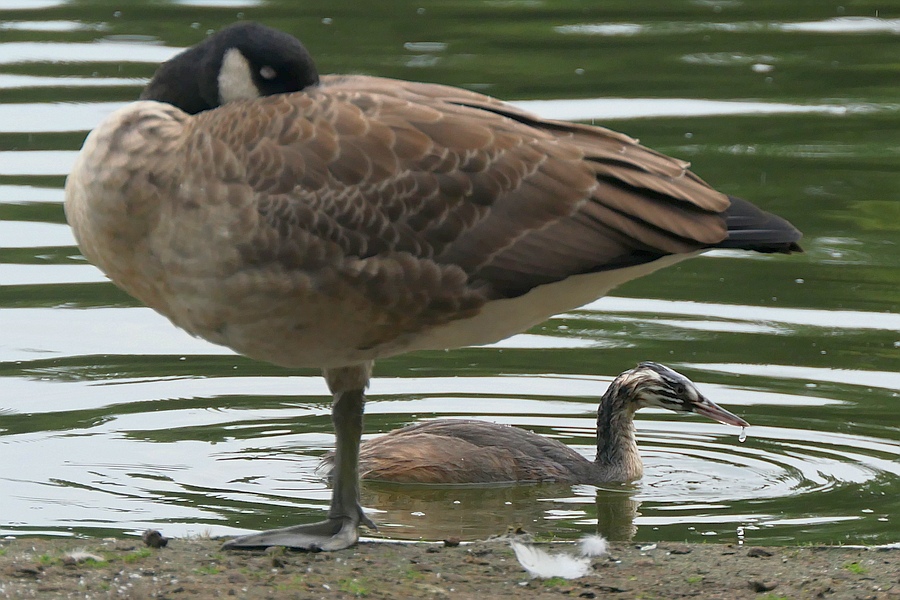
743, 436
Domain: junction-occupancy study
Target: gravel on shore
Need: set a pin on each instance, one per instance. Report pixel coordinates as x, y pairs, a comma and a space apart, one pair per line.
198, 568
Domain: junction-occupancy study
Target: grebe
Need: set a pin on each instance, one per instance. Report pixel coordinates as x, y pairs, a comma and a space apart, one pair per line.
459, 451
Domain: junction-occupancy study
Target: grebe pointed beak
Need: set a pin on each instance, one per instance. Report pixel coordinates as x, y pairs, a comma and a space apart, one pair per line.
709, 409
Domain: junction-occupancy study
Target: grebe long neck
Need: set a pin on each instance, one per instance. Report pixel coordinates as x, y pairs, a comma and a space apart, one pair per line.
618, 458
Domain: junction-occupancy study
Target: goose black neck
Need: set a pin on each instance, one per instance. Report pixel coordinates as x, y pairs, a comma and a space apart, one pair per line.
184, 81
190, 80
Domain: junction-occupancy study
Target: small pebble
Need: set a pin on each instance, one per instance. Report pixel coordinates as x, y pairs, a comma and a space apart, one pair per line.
26, 571
451, 542
278, 562
758, 552
154, 539
762, 586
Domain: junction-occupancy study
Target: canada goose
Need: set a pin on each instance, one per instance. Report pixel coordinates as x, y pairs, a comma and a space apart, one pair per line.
360, 217
450, 451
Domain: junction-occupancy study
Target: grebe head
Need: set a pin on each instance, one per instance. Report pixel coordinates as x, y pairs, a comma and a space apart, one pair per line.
654, 385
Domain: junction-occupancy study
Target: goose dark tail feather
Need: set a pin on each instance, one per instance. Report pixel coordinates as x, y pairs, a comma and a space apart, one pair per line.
750, 228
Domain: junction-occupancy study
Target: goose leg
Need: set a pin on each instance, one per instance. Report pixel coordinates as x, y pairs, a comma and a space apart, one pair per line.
340, 529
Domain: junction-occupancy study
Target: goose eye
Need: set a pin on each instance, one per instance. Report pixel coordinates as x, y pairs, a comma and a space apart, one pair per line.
268, 72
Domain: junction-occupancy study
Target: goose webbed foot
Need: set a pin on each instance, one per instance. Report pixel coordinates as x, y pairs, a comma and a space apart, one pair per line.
334, 533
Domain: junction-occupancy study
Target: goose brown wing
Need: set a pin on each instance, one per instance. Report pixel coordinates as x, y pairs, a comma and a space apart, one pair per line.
474, 200
642, 204
618, 157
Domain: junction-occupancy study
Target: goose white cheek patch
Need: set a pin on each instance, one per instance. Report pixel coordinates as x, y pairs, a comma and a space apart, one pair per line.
235, 80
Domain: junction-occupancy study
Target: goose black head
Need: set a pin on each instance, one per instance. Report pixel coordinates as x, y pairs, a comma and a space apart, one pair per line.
243, 61
651, 384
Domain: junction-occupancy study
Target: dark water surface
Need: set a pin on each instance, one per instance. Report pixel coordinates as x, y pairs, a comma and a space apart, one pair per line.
112, 421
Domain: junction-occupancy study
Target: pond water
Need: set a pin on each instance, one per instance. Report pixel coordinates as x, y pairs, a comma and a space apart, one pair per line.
113, 421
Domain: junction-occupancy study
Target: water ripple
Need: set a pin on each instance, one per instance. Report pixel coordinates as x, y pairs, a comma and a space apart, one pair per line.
256, 461
836, 25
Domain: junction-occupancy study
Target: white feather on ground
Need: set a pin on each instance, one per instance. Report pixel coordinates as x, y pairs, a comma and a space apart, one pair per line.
74, 557
539, 563
594, 545
544, 565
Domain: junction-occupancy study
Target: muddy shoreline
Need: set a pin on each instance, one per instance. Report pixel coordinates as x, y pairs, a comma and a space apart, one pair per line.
198, 568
